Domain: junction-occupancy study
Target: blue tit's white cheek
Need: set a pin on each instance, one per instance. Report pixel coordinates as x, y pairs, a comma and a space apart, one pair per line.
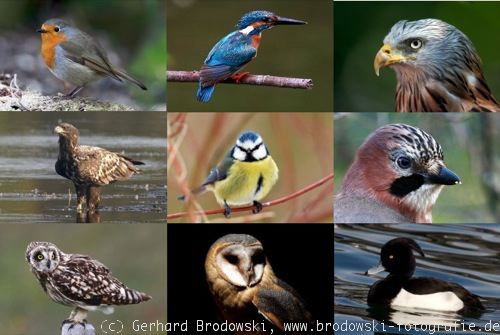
260, 153
440, 301
239, 154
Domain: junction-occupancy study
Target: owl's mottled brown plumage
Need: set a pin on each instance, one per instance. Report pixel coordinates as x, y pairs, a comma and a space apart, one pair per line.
78, 280
89, 167
437, 67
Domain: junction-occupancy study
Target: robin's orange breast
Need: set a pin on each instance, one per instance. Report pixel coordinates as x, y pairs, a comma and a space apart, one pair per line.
48, 50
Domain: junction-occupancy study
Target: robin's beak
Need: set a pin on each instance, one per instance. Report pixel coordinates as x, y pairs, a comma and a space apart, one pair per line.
386, 57
285, 20
444, 177
41, 31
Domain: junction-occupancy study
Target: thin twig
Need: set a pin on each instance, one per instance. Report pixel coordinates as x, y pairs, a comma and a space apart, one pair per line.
250, 79
266, 204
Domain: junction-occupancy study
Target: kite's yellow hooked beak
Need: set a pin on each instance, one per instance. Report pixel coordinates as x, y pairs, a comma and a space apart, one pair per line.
386, 57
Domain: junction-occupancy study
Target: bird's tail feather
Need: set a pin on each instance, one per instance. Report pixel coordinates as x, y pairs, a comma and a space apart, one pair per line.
197, 190
205, 93
126, 76
131, 160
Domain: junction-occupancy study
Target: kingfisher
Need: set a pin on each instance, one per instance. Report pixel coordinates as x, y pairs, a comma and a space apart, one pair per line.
236, 50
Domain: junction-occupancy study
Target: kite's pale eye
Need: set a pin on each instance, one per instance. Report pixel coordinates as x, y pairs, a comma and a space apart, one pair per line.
416, 44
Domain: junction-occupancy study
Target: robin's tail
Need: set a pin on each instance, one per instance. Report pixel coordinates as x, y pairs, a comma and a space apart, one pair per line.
126, 76
205, 93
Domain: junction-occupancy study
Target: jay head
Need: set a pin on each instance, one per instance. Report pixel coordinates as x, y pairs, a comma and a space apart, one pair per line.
401, 167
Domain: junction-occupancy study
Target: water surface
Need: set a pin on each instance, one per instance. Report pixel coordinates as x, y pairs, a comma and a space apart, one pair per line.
31, 191
466, 255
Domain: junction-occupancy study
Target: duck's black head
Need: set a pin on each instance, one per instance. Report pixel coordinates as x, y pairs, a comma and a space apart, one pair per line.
397, 258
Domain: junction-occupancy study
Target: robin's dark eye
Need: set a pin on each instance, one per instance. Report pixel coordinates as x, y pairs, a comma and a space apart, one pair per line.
404, 162
56, 29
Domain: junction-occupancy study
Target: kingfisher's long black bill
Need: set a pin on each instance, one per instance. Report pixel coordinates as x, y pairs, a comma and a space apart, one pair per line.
445, 177
285, 20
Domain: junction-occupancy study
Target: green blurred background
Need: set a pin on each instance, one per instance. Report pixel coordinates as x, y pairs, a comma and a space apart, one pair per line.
360, 28
300, 143
462, 137
291, 51
135, 254
132, 32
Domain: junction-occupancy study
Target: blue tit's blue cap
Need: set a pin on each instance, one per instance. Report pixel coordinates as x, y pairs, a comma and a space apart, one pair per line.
248, 136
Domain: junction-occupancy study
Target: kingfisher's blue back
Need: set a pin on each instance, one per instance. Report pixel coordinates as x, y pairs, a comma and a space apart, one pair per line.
235, 50
228, 56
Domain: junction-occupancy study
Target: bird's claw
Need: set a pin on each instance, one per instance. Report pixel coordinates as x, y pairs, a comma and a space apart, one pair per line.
227, 211
257, 207
237, 77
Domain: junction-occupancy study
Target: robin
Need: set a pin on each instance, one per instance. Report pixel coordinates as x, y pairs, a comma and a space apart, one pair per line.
75, 57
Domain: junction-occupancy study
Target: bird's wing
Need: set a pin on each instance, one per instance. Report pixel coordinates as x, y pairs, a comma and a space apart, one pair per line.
426, 285
220, 172
280, 304
81, 279
89, 53
101, 167
228, 56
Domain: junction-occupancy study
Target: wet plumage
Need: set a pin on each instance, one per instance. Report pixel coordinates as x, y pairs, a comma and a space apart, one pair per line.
90, 167
437, 67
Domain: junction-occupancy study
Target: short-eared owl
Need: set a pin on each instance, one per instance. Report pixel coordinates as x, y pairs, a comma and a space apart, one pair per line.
78, 281
245, 287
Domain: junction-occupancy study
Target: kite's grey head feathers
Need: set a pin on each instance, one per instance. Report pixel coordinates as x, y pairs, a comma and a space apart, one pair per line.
432, 45
437, 67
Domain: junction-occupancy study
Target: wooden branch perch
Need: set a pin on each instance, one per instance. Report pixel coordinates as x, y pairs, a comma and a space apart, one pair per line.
250, 79
266, 204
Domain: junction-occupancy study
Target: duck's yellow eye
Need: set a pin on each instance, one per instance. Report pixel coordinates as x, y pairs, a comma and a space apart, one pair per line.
39, 257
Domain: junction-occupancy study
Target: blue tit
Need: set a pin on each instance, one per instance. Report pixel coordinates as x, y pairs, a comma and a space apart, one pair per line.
245, 175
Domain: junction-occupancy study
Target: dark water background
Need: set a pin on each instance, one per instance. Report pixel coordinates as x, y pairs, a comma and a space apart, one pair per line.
466, 255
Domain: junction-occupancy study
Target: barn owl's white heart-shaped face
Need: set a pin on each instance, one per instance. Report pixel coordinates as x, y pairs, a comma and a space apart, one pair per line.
242, 265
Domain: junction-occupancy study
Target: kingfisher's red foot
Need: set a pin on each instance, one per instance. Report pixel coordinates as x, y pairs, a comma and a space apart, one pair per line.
238, 76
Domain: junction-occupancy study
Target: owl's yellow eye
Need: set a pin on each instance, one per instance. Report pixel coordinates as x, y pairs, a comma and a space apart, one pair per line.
53, 256
39, 257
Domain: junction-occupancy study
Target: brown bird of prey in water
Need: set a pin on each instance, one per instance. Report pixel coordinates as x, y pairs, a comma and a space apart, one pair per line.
437, 67
88, 167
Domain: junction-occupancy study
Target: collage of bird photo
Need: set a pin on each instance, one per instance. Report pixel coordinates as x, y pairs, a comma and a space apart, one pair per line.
249, 167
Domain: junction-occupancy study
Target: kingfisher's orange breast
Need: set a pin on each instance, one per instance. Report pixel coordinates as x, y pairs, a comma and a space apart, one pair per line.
48, 49
256, 40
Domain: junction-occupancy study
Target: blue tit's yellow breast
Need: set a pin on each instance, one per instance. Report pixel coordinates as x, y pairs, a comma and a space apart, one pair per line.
246, 182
